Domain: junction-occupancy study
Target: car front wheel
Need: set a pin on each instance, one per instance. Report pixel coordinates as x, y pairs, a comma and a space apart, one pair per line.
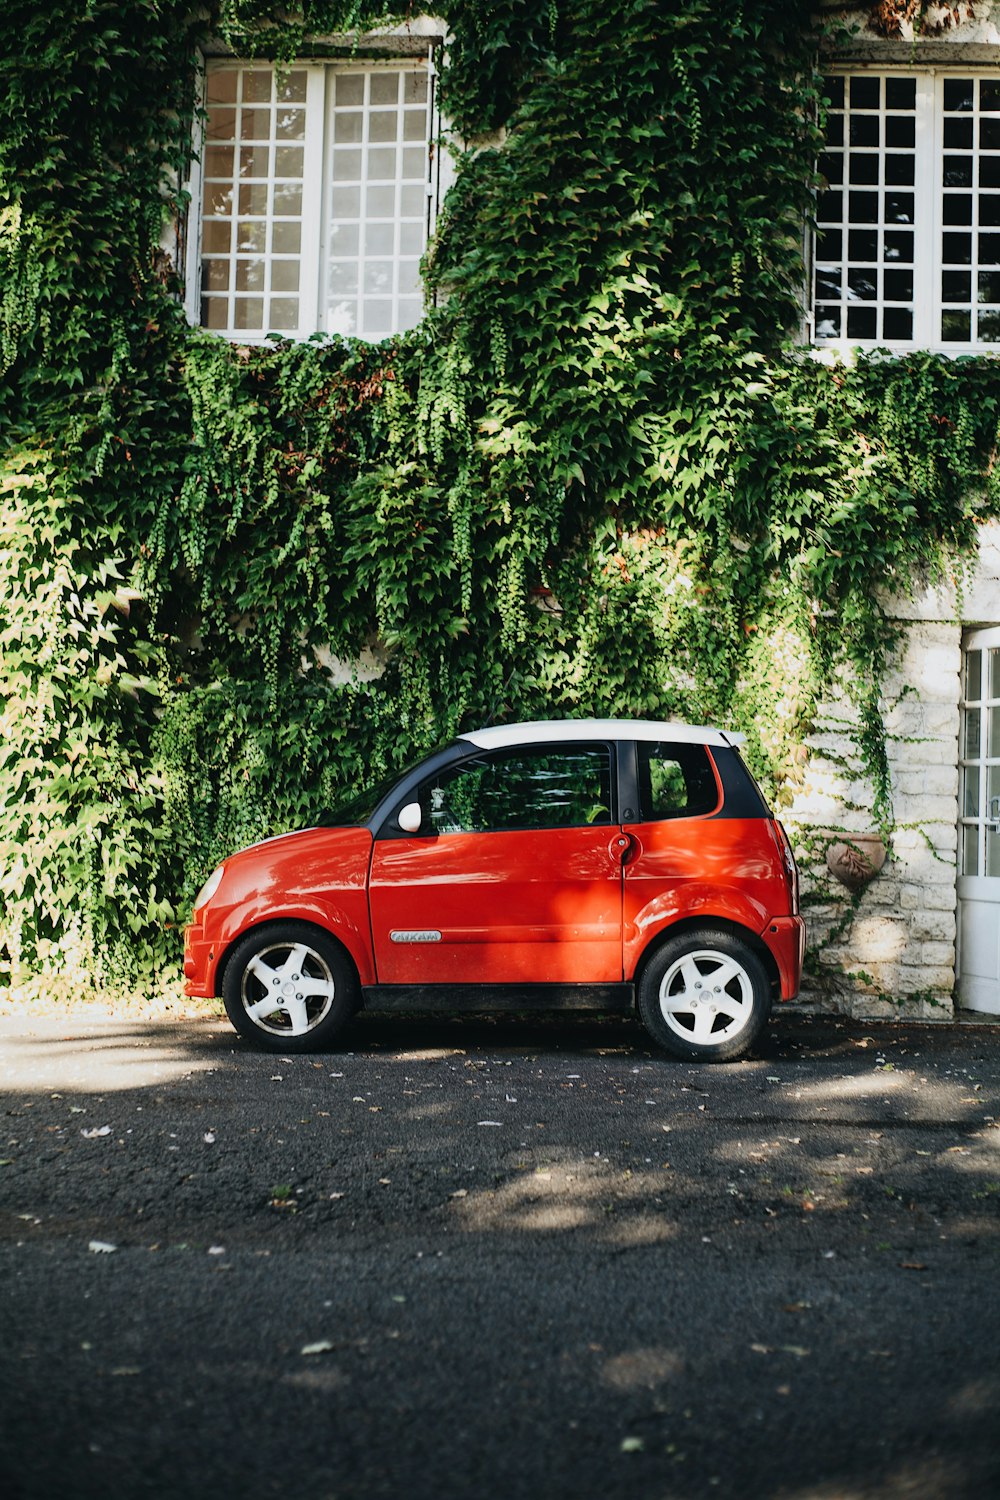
289, 988
704, 996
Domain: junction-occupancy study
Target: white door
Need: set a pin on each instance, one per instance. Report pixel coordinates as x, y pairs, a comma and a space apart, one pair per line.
979, 825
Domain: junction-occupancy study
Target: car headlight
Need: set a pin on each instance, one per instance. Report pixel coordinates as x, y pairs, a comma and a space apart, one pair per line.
209, 889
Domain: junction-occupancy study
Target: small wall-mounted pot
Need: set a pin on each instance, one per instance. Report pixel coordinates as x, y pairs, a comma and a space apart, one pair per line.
855, 858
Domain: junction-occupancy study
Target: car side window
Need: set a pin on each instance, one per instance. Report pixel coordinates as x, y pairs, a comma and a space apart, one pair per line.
534, 787
675, 781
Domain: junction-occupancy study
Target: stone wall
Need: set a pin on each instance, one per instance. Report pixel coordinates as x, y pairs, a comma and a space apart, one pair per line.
891, 945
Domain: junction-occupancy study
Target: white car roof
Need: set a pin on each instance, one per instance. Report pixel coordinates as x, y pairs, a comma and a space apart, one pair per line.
541, 731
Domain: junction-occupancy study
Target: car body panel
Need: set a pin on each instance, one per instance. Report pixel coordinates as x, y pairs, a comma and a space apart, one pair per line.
545, 911
319, 875
501, 907
702, 868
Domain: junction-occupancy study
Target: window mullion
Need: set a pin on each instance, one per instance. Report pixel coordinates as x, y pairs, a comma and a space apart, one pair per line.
927, 213
310, 315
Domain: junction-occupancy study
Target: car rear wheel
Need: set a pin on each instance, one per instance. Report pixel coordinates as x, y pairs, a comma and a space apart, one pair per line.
289, 988
705, 996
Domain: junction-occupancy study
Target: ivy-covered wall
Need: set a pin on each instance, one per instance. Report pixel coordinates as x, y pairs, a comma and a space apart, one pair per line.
600, 477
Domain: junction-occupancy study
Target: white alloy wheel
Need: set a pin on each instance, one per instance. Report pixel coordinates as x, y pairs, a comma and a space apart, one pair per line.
705, 995
289, 987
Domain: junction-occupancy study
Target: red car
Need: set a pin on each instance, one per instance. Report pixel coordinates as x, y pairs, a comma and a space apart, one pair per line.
580, 864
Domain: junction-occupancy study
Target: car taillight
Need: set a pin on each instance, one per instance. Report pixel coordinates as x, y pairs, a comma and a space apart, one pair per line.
791, 868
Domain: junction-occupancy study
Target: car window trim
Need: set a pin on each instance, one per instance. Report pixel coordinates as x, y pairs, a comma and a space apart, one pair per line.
382, 824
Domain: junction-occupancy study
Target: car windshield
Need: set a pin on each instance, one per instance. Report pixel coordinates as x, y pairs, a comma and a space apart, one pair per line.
354, 811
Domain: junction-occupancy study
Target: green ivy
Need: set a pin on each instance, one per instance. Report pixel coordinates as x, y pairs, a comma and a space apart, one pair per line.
599, 478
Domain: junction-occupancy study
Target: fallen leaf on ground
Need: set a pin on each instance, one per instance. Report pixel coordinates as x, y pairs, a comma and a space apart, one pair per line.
322, 1347
90, 1135
101, 1247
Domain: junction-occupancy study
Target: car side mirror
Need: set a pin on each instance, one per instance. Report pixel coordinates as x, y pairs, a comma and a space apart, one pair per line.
410, 817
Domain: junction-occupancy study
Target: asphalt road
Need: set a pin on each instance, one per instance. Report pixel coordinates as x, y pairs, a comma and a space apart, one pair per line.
510, 1259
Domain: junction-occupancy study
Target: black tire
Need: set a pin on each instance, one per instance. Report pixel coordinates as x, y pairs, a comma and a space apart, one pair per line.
704, 996
290, 987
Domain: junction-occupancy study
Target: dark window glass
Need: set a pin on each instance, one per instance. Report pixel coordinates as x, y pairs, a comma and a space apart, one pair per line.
900, 170
831, 166
956, 249
958, 171
989, 249
864, 92
989, 287
863, 286
956, 286
957, 94
989, 327
833, 92
989, 209
675, 781
829, 244
897, 286
864, 130
900, 132
537, 786
864, 167
989, 171
863, 207
897, 323
957, 208
989, 95
862, 323
828, 283
835, 130
989, 133
898, 246
899, 208
958, 135
862, 245
955, 327
900, 93
828, 322
830, 208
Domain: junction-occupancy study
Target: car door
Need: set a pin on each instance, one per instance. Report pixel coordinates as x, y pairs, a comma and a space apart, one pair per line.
514, 877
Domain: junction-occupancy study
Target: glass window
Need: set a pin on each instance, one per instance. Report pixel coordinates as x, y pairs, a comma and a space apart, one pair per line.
544, 786
675, 781
324, 174
919, 156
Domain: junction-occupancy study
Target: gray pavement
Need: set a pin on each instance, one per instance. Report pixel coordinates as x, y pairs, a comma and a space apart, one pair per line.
511, 1259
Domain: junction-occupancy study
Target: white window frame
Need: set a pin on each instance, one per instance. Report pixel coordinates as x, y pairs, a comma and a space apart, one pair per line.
316, 170
928, 225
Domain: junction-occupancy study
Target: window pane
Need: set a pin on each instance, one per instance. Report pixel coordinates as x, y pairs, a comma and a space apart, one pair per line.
973, 723
675, 781
970, 850
283, 313
385, 88
955, 327
249, 312
250, 276
257, 85
259, 128
956, 286
543, 787
970, 804
897, 324
973, 678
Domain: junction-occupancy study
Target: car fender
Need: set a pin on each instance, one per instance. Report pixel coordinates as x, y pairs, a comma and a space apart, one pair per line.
686, 902
344, 920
